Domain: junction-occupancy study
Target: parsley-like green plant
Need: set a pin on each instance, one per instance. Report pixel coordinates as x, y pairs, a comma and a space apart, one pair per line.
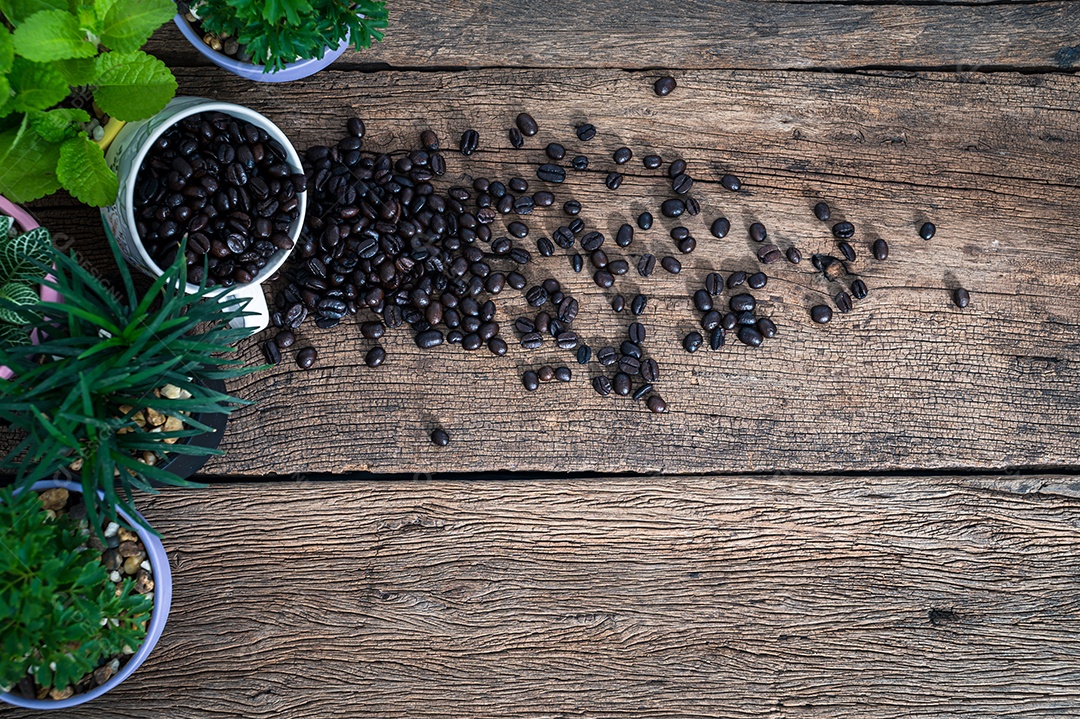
277, 32
21, 259
55, 55
60, 615
75, 396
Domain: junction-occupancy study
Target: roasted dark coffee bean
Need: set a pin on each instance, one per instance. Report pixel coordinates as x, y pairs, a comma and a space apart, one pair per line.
820, 314
526, 124
563, 237
555, 151
679, 233
671, 264
624, 236
703, 300
720, 227
742, 303
551, 173
470, 141
664, 85
306, 357
576, 262
544, 247
580, 162
585, 132
524, 325
769, 254
646, 264
847, 251
656, 404
515, 279
518, 229
692, 342
673, 207
536, 296
543, 199
822, 211
563, 374
960, 297
603, 279
766, 327
429, 140
439, 437
843, 230
716, 338
622, 155
880, 249
630, 365
927, 230
546, 373
576, 225
858, 289
592, 241
629, 348
746, 319
272, 352
607, 356
652, 162
749, 336
602, 385
638, 304
372, 330
621, 384
532, 341
618, 303
523, 205
618, 267
644, 220
438, 165
793, 255
686, 245
599, 259
572, 207
730, 182
649, 370
636, 333
497, 346
681, 184
285, 339
375, 356
543, 321
676, 168
568, 309
516, 140
613, 180
729, 320
757, 280
518, 184
584, 354
567, 340
530, 380
758, 232
429, 338
356, 127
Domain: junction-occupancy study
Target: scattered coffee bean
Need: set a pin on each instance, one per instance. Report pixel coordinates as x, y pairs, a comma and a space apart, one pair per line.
793, 255
576, 262
544, 247
375, 356
676, 168
613, 180
428, 339
622, 155
584, 354
847, 251
720, 227
961, 297
497, 346
673, 207
429, 140
758, 232
621, 384
822, 211
656, 404
858, 289
671, 264
592, 241
880, 249
545, 373
372, 330
439, 437
644, 220
769, 254
638, 304
563, 374
580, 162
730, 182
355, 126
602, 385
572, 208
603, 279
757, 280
716, 338
681, 184
820, 314
646, 264
526, 124
530, 380
652, 162
714, 283
766, 327
742, 303
555, 151
664, 85
551, 173
518, 229
749, 335
284, 339
843, 301
692, 341
272, 352
843, 230
607, 356
729, 320
927, 231
625, 235
703, 300
470, 141
516, 140
686, 245
636, 333
585, 132
306, 357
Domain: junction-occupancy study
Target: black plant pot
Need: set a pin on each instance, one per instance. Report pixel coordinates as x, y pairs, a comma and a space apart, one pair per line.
185, 465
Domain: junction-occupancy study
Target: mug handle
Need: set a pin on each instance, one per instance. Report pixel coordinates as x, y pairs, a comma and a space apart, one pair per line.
256, 322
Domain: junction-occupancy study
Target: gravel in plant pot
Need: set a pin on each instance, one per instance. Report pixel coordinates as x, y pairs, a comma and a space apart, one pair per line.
56, 61
79, 613
82, 399
280, 40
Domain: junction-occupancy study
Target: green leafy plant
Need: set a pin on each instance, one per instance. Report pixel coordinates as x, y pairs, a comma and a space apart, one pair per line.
276, 32
77, 395
21, 257
55, 55
60, 615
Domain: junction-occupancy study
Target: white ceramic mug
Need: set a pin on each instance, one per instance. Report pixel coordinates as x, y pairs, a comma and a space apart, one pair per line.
125, 157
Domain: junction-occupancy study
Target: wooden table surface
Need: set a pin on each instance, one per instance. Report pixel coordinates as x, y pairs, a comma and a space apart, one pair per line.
873, 518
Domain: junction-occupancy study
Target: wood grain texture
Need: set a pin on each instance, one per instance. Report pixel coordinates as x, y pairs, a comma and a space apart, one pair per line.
699, 34
905, 381
756, 597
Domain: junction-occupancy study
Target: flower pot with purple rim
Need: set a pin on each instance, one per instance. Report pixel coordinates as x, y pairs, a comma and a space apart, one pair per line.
293, 71
159, 561
25, 223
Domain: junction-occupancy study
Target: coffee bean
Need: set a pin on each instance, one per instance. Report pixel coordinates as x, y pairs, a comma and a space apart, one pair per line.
728, 321
664, 85
592, 241
470, 140
577, 225
530, 380
428, 339
766, 327
272, 352
742, 303
532, 340
580, 162
927, 230
630, 365
652, 162
613, 180
544, 247
518, 184
429, 140
555, 151
584, 354
284, 339
758, 232
749, 336
526, 124
551, 173
692, 342
544, 199
637, 305
563, 374
599, 259
439, 437
769, 254
546, 373
622, 155
618, 267
720, 227
438, 165
716, 338
572, 207
858, 289
820, 314
843, 230
880, 249
607, 356
576, 262
518, 229
822, 211
646, 264
847, 251
629, 348
624, 236
618, 303
523, 205
681, 184
793, 255
650, 370
536, 296
306, 357
961, 297
497, 346
644, 220
703, 300
757, 280
568, 309
516, 140
602, 385
730, 182
372, 330
603, 279
585, 132
673, 207
671, 264
621, 384
563, 237
515, 279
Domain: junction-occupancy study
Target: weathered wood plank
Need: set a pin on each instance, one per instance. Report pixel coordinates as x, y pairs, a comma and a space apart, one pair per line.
701, 34
905, 381
758, 597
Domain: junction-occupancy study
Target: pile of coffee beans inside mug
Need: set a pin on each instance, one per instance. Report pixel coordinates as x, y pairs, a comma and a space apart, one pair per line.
225, 184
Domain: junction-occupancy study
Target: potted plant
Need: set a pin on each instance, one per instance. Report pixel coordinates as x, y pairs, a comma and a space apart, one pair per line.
24, 247
59, 59
119, 383
81, 613
279, 40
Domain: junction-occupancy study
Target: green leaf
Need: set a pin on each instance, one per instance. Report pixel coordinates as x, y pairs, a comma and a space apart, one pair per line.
59, 124
36, 86
18, 10
133, 85
21, 257
27, 165
130, 23
17, 293
52, 35
83, 172
7, 50
12, 335
77, 71
5, 227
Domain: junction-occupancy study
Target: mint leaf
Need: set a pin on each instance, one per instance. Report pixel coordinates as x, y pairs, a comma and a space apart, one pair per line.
27, 165
17, 293
83, 172
18, 10
7, 50
36, 86
59, 124
132, 85
130, 23
76, 71
52, 35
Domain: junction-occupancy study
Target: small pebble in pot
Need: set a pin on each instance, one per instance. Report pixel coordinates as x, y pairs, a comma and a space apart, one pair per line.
439, 437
